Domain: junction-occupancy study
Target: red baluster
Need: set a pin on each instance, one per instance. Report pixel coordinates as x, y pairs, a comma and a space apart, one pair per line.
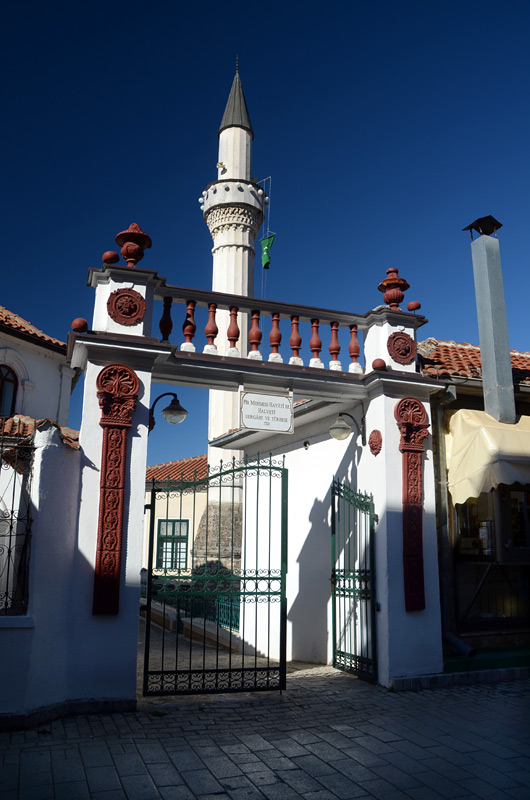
334, 346
233, 332
295, 341
275, 338
189, 327
355, 350
254, 337
211, 330
315, 344
166, 324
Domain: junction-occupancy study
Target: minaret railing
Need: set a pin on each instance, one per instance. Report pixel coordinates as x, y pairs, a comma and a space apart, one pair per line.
300, 328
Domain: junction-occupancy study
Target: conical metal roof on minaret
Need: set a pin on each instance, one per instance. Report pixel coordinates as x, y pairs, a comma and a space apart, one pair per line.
236, 111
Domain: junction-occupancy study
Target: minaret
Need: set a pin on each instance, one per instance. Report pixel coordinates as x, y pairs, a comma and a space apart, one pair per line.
233, 210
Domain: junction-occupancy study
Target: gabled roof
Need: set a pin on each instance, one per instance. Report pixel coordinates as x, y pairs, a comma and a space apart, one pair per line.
12, 323
236, 111
186, 469
448, 360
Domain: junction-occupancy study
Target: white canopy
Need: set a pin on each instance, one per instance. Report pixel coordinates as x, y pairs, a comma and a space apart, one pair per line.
482, 453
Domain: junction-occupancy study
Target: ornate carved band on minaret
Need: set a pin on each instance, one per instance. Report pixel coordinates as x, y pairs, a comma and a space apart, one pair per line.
412, 421
117, 387
222, 218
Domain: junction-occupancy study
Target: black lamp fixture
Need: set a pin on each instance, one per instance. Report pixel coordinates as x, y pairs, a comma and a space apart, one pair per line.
341, 430
174, 413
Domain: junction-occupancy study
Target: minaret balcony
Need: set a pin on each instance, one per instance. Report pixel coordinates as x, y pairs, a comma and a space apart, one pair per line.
232, 192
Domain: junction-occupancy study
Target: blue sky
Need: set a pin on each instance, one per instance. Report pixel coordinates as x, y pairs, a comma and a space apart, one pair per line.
386, 127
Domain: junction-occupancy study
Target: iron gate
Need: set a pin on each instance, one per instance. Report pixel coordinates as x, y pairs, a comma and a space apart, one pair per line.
215, 607
353, 581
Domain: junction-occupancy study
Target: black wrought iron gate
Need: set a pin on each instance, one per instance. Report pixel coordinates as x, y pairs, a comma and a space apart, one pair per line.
215, 607
353, 581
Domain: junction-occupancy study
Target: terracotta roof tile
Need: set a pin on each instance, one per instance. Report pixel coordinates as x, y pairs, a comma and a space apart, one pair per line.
23, 427
17, 324
186, 469
446, 360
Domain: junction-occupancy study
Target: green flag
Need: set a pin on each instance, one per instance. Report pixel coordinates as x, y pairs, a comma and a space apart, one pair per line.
266, 244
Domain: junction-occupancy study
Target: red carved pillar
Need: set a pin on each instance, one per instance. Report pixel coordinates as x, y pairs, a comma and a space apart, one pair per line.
189, 327
411, 418
117, 387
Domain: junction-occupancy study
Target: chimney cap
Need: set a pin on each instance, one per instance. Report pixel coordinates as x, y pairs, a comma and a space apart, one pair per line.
485, 226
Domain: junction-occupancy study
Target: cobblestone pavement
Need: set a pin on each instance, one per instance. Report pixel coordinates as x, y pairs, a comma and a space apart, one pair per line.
328, 736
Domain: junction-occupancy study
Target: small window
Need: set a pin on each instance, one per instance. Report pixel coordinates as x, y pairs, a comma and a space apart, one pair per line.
495, 526
8, 391
172, 550
492, 564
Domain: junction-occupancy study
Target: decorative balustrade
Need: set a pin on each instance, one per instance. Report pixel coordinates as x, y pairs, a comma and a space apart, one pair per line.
285, 321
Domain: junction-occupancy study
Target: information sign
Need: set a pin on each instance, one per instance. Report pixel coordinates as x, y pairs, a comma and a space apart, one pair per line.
266, 412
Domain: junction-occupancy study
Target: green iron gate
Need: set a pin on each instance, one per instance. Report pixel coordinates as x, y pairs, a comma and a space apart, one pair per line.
215, 607
353, 581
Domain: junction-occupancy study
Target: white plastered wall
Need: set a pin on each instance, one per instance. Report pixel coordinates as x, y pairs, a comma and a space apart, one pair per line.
103, 656
408, 643
376, 345
37, 671
44, 379
308, 587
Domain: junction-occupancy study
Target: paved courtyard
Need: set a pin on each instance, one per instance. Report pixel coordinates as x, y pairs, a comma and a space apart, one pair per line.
328, 736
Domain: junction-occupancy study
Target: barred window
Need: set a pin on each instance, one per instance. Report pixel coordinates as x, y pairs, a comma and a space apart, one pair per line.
16, 459
172, 550
8, 391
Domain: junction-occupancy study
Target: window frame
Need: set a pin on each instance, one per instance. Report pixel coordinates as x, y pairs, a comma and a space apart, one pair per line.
10, 378
178, 543
501, 533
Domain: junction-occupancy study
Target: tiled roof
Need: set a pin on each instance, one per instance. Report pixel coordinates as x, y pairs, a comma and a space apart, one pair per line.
448, 360
19, 325
186, 469
23, 427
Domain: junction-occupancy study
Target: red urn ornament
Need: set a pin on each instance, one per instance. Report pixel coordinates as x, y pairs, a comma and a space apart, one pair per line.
393, 287
133, 242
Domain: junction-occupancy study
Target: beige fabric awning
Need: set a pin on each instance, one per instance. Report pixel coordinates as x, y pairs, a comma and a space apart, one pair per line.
482, 453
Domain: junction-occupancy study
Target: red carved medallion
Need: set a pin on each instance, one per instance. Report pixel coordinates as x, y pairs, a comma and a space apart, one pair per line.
375, 442
401, 347
117, 387
411, 418
126, 307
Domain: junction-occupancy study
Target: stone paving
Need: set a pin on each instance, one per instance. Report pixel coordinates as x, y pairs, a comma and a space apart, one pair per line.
328, 736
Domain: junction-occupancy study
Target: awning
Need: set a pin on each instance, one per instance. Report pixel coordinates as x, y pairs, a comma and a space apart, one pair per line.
482, 453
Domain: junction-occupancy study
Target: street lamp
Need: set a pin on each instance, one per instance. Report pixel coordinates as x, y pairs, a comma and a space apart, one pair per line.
341, 430
174, 413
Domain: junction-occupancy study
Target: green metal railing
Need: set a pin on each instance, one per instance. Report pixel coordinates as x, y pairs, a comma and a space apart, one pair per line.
220, 624
353, 581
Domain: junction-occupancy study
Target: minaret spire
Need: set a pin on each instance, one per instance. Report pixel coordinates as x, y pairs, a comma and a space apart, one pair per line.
236, 111
233, 208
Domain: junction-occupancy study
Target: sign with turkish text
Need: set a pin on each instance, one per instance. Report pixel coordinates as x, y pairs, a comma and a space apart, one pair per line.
266, 412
